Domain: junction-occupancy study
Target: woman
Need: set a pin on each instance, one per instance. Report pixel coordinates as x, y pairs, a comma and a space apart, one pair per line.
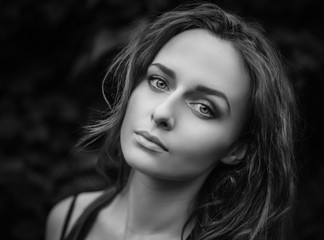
200, 136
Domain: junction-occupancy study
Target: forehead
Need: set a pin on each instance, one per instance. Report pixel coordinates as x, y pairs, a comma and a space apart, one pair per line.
198, 57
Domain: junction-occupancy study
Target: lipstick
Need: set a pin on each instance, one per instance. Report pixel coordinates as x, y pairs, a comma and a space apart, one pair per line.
150, 142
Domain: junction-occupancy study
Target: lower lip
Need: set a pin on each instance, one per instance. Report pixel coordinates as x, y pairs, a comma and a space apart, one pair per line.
147, 144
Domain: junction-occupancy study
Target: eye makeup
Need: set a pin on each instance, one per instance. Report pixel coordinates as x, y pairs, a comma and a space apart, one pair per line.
159, 76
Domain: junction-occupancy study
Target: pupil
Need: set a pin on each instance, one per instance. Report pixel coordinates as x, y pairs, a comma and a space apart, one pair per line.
161, 84
203, 109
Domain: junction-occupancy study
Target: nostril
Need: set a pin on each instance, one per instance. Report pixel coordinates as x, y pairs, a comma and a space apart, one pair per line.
163, 124
162, 121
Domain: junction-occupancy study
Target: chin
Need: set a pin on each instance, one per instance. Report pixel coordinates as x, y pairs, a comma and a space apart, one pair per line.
155, 170
147, 165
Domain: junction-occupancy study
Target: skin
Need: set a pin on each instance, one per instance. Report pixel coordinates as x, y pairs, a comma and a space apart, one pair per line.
168, 105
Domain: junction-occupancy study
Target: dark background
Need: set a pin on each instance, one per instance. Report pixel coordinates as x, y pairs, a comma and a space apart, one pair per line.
53, 57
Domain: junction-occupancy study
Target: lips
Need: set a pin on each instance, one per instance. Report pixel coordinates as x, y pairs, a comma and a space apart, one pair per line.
150, 142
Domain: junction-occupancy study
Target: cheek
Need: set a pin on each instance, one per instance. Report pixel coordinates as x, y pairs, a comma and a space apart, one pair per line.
134, 109
127, 124
135, 112
202, 147
138, 103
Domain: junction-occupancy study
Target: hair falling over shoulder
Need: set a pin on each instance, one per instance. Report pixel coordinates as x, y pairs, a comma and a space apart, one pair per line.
249, 200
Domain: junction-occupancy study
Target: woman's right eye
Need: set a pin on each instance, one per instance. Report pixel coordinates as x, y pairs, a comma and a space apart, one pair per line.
158, 82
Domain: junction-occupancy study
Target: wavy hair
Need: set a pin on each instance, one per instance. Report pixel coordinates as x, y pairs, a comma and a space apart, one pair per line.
245, 201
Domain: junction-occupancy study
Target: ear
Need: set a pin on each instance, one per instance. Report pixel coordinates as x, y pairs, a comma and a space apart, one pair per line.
235, 155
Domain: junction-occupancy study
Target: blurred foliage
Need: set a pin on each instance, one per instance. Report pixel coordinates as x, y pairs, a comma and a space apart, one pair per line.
53, 57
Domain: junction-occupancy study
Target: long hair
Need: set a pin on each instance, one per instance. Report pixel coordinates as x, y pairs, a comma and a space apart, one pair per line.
248, 200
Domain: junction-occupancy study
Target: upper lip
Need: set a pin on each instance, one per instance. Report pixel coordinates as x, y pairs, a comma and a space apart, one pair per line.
152, 138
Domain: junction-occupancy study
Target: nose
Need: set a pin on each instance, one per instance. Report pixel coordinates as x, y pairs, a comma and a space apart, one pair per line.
163, 114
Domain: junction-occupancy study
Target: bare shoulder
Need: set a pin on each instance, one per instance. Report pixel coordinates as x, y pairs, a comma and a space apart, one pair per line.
57, 215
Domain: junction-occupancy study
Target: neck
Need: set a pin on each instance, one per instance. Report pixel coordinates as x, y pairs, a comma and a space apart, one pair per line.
158, 206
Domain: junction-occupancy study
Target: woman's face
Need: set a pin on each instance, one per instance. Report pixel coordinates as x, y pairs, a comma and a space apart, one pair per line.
183, 117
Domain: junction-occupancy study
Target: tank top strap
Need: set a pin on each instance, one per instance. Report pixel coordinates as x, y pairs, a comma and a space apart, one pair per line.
86, 220
68, 216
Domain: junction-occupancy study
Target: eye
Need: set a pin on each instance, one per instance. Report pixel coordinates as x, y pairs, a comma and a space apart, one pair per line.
203, 109
158, 82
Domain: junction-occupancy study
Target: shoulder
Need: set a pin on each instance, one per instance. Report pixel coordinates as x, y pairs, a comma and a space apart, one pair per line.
58, 213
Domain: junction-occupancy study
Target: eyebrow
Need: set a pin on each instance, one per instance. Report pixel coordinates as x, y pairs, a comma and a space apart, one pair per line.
165, 69
199, 88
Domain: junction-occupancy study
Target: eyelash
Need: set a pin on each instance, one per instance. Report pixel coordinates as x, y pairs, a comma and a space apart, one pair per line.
154, 79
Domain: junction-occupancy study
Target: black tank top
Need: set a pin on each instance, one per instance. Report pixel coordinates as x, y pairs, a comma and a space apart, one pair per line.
85, 222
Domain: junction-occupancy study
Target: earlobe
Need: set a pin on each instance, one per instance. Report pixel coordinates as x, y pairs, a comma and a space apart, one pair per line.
235, 155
